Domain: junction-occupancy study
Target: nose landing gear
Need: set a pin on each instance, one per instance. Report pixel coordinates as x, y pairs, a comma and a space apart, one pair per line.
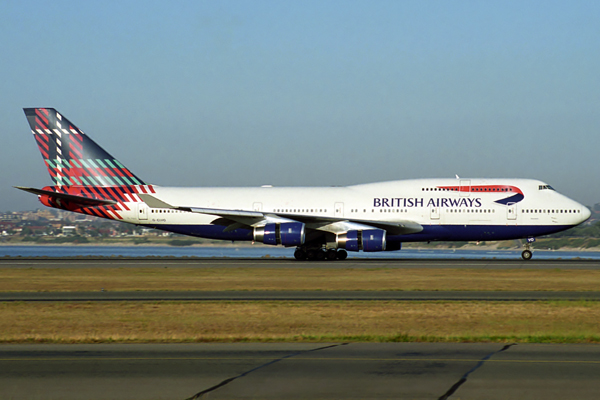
527, 254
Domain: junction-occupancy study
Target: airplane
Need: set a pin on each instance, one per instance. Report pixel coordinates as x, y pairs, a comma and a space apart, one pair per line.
321, 223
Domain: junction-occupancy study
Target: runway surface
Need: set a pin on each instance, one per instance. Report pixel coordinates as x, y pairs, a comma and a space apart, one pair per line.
152, 262
300, 371
286, 295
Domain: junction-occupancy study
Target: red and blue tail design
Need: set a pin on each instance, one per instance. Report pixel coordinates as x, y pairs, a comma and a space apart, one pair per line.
72, 158
86, 178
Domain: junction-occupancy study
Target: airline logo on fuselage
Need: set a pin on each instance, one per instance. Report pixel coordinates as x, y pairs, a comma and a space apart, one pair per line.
516, 195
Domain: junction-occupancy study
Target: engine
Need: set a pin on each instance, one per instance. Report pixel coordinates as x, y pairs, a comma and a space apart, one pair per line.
286, 233
365, 240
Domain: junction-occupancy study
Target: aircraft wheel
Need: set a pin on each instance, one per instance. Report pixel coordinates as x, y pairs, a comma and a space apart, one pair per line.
331, 254
320, 255
311, 254
526, 254
342, 254
300, 255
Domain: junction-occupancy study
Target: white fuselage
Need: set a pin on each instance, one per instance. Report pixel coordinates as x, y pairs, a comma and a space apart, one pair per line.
449, 203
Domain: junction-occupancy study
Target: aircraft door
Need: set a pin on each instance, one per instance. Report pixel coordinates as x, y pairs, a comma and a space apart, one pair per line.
257, 207
142, 211
339, 210
465, 187
435, 213
511, 211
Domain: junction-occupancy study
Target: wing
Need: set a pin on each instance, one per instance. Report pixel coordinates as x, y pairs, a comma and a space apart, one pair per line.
234, 219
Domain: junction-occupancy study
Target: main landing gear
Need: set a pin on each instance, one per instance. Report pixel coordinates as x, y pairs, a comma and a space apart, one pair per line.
527, 253
320, 254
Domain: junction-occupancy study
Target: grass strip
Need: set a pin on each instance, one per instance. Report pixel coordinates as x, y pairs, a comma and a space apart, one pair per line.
265, 321
159, 279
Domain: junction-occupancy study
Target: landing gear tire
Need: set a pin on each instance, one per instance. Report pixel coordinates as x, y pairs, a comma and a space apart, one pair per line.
300, 254
316, 254
331, 254
320, 255
526, 254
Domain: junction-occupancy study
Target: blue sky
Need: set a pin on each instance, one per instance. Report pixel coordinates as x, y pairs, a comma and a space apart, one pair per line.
245, 93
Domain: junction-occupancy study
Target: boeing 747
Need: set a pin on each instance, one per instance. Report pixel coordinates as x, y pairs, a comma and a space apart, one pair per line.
319, 222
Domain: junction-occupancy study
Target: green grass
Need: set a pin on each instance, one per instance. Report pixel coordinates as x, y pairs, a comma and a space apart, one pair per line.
305, 278
300, 321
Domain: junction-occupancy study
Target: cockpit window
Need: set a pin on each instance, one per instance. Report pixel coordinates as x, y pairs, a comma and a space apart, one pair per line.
546, 187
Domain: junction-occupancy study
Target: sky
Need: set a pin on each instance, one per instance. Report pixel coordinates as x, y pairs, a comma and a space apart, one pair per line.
308, 93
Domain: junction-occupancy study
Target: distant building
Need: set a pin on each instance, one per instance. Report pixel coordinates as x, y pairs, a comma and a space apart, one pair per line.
69, 230
10, 216
6, 225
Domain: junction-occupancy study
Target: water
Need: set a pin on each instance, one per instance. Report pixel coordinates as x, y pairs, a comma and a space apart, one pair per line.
275, 252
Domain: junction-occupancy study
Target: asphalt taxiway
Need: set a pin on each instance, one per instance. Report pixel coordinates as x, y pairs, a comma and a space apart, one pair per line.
300, 371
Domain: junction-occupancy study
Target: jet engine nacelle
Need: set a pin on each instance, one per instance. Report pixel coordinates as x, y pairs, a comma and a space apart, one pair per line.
365, 240
287, 234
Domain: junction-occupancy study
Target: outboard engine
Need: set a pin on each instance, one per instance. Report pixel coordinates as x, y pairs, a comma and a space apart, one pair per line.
286, 233
365, 240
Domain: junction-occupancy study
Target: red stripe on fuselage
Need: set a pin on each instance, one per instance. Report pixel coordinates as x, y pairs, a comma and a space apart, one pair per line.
483, 189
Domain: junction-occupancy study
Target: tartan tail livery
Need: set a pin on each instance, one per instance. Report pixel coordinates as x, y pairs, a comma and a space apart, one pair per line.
321, 223
86, 178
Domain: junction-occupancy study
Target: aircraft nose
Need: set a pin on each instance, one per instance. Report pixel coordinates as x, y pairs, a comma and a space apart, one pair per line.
585, 213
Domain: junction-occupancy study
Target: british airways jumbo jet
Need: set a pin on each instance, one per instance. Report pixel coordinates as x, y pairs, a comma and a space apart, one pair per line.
320, 222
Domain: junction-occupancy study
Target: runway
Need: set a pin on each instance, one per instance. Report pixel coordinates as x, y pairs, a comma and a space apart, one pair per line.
172, 262
300, 371
308, 295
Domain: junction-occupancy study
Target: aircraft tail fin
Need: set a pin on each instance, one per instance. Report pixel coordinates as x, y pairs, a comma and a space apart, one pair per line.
72, 157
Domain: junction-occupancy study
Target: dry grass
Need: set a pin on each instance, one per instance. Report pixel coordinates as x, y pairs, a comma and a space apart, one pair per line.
292, 321
121, 279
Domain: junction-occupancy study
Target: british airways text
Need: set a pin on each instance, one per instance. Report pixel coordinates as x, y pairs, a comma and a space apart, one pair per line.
420, 202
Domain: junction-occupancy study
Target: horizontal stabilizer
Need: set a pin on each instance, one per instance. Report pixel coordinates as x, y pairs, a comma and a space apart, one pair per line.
85, 201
